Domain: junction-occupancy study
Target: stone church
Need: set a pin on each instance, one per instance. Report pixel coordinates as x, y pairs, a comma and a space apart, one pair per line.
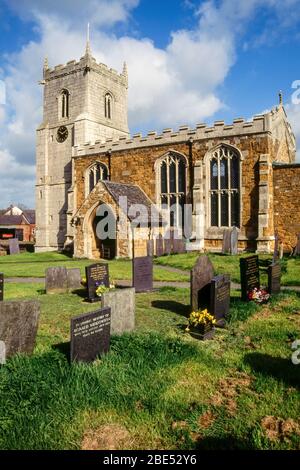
243, 174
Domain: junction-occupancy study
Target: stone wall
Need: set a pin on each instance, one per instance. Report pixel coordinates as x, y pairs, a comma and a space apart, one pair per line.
286, 203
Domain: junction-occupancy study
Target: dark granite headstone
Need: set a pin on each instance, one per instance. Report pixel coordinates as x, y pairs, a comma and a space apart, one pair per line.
226, 246
90, 335
249, 269
142, 273
274, 276
14, 248
18, 326
56, 280
201, 276
159, 248
220, 298
276, 248
74, 279
96, 275
1, 287
234, 238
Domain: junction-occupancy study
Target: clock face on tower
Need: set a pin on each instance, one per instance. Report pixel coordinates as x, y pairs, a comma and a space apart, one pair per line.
62, 134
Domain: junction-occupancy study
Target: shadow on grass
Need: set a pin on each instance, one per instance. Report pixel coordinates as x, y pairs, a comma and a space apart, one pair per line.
63, 348
82, 293
172, 306
277, 367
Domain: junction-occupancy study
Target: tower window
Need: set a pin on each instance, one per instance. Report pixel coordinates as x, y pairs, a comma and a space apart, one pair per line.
224, 188
108, 106
96, 173
64, 104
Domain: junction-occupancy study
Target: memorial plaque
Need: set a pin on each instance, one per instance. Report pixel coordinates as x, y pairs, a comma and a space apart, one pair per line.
234, 238
142, 273
220, 298
159, 246
1, 287
96, 275
249, 270
274, 276
18, 326
14, 248
226, 246
90, 335
56, 280
201, 276
74, 279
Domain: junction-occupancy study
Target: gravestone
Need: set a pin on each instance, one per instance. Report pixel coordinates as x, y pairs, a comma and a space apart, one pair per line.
297, 249
276, 248
142, 273
249, 270
220, 298
159, 246
168, 242
74, 279
56, 280
122, 305
234, 238
178, 243
90, 335
274, 276
18, 326
201, 276
226, 246
14, 248
96, 275
150, 248
1, 287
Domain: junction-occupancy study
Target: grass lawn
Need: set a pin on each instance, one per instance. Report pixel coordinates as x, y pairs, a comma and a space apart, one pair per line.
35, 264
158, 388
230, 265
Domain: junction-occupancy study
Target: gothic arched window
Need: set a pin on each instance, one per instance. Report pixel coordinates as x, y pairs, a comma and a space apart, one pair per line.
64, 104
108, 106
224, 188
96, 173
172, 180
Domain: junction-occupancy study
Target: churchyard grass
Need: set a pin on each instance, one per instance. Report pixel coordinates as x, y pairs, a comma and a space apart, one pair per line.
158, 388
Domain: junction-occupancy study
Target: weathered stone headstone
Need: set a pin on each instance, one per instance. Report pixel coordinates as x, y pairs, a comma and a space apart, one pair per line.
14, 248
150, 248
2, 353
226, 246
159, 246
274, 276
220, 298
74, 279
1, 287
249, 269
122, 305
142, 273
90, 335
168, 243
56, 280
201, 276
178, 243
234, 238
18, 326
276, 248
96, 275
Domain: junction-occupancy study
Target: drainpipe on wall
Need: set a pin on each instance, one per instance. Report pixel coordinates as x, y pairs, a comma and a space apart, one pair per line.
191, 169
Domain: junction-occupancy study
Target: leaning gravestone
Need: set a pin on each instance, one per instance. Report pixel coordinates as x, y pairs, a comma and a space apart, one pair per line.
56, 280
226, 246
142, 273
96, 275
201, 276
74, 279
18, 326
122, 305
90, 335
274, 276
234, 238
1, 287
220, 298
159, 246
249, 269
14, 248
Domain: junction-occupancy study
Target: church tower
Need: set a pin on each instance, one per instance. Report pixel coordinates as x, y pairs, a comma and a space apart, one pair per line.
84, 101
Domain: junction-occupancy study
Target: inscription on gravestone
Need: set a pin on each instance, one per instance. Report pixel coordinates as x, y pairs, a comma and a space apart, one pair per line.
274, 276
90, 335
14, 248
201, 276
96, 275
142, 273
220, 298
1, 287
249, 270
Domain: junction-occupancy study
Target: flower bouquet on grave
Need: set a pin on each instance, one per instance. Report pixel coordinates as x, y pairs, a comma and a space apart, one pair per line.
83, 281
259, 296
101, 289
201, 324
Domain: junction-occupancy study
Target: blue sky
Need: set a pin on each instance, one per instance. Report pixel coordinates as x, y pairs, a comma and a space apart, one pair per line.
189, 61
